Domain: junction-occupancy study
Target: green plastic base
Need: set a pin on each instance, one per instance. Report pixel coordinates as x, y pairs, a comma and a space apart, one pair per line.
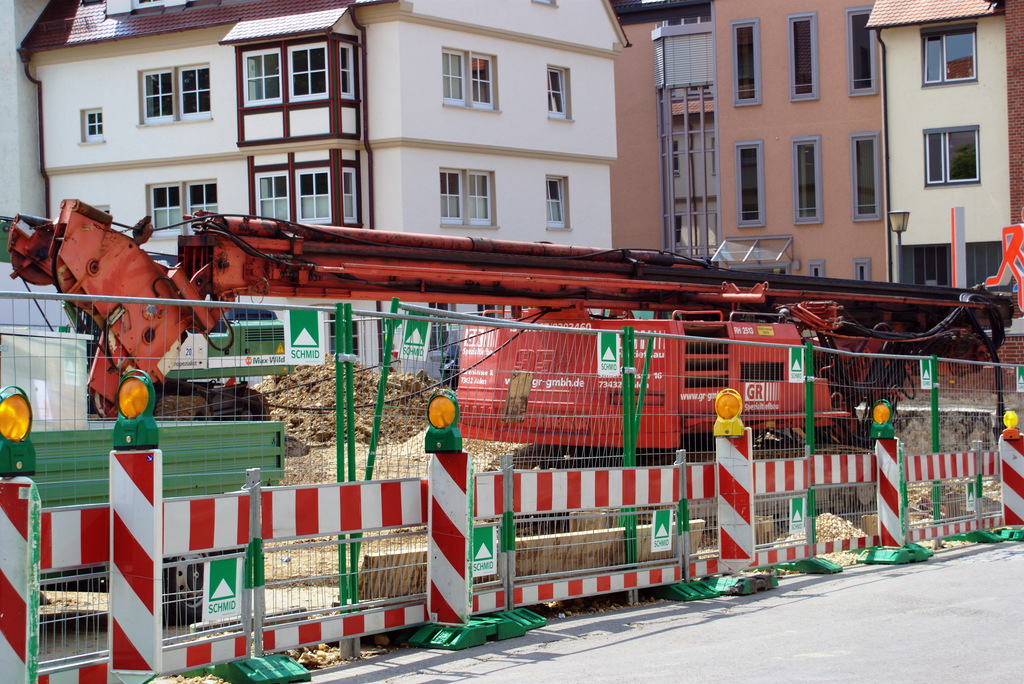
686, 591
494, 627
978, 537
814, 566
1011, 533
271, 669
742, 585
911, 553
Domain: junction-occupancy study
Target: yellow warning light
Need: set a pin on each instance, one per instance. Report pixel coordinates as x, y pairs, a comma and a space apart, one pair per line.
881, 417
728, 406
132, 397
881, 413
15, 414
442, 411
1010, 419
443, 414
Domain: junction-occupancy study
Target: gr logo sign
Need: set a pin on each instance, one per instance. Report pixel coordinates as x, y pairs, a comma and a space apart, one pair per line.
757, 392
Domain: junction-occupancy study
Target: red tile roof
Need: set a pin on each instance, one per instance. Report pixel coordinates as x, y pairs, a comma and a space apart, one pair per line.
888, 13
66, 23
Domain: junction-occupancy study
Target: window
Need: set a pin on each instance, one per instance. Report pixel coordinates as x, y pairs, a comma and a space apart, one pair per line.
176, 94
556, 203
349, 203
807, 180
314, 195
803, 57
165, 201
926, 264
92, 125
308, 72
202, 197
347, 72
750, 209
816, 268
861, 52
263, 77
949, 56
481, 79
951, 156
558, 93
466, 198
746, 68
865, 174
862, 269
272, 196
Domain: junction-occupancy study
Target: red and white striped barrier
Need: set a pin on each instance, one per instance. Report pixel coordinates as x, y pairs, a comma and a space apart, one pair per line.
193, 656
1012, 453
136, 590
930, 467
533, 594
90, 674
701, 481
342, 508
735, 501
449, 520
890, 518
340, 627
838, 469
19, 580
489, 495
552, 491
217, 522
74, 537
780, 475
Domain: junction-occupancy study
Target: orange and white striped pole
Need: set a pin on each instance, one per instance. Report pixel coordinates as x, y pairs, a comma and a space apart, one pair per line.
890, 482
19, 580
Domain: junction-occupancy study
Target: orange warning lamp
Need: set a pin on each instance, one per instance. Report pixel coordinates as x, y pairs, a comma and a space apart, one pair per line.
1010, 421
136, 399
881, 420
17, 455
728, 406
443, 414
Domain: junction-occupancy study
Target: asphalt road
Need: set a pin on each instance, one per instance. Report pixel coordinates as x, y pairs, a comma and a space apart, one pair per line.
958, 617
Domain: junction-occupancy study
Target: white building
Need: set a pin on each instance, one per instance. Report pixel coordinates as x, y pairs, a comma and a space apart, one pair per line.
433, 116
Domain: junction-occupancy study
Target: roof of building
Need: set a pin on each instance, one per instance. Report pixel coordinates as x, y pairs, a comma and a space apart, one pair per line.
66, 23
887, 13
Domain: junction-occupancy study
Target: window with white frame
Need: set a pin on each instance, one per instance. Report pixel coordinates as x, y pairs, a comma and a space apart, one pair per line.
746, 40
861, 51
866, 175
862, 269
466, 197
816, 268
314, 195
272, 195
165, 205
951, 156
558, 93
347, 72
263, 77
92, 125
308, 75
803, 57
467, 79
807, 190
750, 202
349, 200
202, 197
949, 56
176, 94
556, 216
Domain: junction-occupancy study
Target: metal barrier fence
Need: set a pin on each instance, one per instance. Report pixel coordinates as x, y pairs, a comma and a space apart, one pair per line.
576, 470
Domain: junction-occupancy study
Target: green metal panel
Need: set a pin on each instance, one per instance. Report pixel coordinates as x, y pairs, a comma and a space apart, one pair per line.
199, 458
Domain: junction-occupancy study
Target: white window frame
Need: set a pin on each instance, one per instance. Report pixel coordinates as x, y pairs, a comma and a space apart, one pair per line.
168, 213
556, 206
862, 268
260, 199
92, 131
758, 147
466, 82
816, 268
812, 19
197, 91
819, 211
206, 205
851, 57
317, 215
940, 37
349, 196
558, 93
347, 71
943, 137
755, 26
876, 173
176, 94
249, 101
309, 72
147, 96
466, 206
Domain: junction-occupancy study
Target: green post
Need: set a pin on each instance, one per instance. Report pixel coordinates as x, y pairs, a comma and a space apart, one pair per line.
936, 443
629, 427
385, 370
809, 438
345, 454
810, 517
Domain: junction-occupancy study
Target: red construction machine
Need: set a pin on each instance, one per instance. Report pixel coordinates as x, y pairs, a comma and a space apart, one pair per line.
228, 256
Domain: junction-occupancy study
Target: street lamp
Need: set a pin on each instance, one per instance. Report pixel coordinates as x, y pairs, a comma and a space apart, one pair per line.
898, 224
